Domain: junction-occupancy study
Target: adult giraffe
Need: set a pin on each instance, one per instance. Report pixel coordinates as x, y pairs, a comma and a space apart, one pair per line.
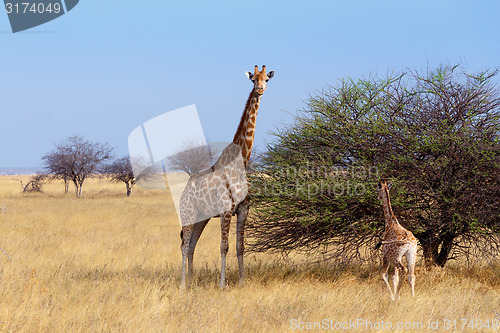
218, 190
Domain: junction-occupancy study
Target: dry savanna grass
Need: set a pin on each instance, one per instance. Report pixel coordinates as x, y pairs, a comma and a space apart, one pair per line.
106, 262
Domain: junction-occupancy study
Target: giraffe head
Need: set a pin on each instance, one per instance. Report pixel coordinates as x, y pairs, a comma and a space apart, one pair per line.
260, 79
382, 186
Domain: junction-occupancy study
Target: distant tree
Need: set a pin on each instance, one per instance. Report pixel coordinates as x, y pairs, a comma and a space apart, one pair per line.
58, 166
436, 136
121, 170
76, 159
192, 158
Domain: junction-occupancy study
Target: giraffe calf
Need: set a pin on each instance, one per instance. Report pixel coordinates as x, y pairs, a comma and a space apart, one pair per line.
397, 242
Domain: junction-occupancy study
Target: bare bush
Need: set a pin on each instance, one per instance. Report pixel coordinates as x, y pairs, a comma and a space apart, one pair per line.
75, 160
192, 158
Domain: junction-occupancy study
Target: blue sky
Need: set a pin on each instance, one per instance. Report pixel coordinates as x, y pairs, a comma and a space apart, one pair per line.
107, 66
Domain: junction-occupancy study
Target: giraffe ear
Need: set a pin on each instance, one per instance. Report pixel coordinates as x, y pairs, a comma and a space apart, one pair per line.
270, 75
379, 187
389, 186
249, 75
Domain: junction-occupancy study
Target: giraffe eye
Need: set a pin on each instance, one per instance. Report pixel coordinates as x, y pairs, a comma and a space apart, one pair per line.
267, 80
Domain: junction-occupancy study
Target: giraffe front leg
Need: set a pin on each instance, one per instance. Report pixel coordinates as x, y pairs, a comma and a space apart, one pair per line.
400, 269
225, 222
240, 239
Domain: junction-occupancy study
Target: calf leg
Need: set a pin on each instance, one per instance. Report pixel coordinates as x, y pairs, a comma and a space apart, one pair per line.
385, 275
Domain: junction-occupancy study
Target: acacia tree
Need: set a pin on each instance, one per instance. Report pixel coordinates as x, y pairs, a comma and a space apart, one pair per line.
76, 159
437, 136
57, 165
192, 158
122, 170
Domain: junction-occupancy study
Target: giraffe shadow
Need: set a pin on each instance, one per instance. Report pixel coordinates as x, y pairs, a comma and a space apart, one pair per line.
163, 277
263, 273
206, 276
137, 272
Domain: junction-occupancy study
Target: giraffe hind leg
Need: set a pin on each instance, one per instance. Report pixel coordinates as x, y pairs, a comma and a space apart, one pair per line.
187, 222
385, 275
399, 270
195, 235
411, 257
186, 238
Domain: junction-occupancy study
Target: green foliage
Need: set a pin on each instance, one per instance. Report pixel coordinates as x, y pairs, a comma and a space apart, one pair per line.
437, 138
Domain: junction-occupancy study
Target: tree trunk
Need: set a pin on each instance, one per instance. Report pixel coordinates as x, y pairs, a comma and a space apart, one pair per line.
437, 252
66, 185
430, 250
129, 189
446, 246
78, 188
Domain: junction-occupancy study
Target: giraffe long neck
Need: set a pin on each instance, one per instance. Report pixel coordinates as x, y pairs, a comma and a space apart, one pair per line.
386, 203
246, 130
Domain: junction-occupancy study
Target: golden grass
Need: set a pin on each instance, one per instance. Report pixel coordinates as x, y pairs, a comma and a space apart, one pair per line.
106, 262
